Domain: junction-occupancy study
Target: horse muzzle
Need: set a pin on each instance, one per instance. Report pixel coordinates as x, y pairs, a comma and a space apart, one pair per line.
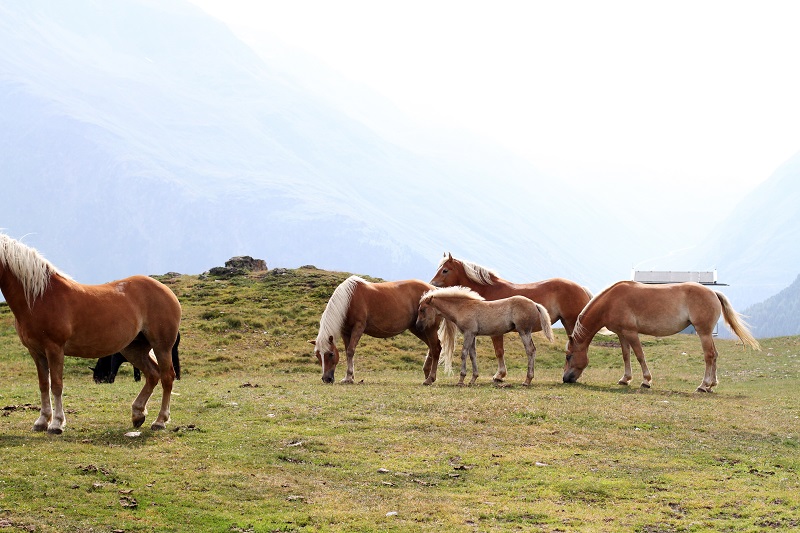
570, 377
327, 378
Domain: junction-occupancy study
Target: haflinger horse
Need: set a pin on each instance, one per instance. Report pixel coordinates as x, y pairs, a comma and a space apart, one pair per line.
358, 307
628, 308
563, 299
56, 316
475, 316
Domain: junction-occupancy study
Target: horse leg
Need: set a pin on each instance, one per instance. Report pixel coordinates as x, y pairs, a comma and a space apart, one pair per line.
530, 349
55, 361
167, 376
473, 355
355, 336
43, 372
468, 339
139, 357
626, 359
636, 344
710, 353
431, 338
499, 353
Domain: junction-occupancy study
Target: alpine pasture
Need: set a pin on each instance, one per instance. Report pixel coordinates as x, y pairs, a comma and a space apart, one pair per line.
258, 443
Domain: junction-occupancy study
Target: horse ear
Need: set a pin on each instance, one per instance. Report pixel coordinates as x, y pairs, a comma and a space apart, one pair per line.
330, 339
313, 343
449, 256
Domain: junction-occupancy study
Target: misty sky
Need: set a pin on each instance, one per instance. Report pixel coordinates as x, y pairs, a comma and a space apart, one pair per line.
688, 100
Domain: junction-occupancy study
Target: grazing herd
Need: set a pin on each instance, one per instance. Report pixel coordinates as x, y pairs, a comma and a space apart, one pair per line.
137, 320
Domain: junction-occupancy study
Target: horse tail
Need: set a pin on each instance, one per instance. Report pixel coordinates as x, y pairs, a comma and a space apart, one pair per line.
176, 362
447, 338
736, 323
544, 319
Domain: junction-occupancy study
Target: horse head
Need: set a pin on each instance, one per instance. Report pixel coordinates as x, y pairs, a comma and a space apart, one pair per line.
426, 313
327, 357
577, 361
447, 274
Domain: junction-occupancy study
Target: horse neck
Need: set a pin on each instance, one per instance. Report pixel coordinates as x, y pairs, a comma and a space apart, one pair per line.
590, 322
447, 308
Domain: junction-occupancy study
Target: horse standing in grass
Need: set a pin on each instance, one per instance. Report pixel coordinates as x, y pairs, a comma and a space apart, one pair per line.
56, 316
629, 308
474, 316
106, 368
563, 299
381, 310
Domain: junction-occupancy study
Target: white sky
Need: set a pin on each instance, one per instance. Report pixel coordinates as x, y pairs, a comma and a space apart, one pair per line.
704, 95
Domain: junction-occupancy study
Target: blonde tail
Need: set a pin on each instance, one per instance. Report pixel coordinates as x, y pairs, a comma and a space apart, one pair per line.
735, 322
447, 338
544, 318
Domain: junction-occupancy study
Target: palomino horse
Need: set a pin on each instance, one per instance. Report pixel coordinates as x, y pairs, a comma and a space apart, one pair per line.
381, 310
628, 308
562, 298
474, 316
56, 316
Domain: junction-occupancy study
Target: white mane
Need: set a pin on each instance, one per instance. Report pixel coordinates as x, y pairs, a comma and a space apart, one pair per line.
332, 320
27, 265
476, 273
452, 292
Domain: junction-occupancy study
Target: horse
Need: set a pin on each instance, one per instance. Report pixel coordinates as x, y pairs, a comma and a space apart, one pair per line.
474, 316
563, 299
105, 371
381, 310
628, 308
56, 316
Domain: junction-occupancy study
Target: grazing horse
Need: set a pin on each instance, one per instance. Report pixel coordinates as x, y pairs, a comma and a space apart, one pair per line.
562, 298
474, 316
56, 316
381, 310
628, 308
105, 371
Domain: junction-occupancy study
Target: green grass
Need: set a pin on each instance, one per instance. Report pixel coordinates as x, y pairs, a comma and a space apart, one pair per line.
258, 443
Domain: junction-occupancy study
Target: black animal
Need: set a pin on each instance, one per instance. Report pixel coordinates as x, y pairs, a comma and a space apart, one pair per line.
108, 366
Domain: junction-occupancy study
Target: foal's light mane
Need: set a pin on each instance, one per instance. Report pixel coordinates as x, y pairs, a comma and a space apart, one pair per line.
476, 273
330, 324
27, 265
452, 292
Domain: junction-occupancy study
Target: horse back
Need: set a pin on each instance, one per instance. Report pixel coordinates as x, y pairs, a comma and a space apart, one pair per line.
387, 308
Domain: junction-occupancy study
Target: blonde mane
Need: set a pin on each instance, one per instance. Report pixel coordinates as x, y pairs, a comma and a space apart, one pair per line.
332, 320
451, 292
27, 265
476, 273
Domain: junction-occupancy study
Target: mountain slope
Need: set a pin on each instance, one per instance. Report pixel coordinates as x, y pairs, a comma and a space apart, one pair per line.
778, 315
143, 136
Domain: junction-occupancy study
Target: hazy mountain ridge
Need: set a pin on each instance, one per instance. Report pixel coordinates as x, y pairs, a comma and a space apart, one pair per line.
778, 315
143, 137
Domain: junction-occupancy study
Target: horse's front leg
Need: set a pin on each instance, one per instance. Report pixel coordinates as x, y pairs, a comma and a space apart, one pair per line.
710, 354
530, 350
431, 339
473, 355
43, 373
626, 359
355, 336
636, 344
499, 353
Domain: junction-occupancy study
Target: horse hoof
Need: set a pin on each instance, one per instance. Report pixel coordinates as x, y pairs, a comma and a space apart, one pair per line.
428, 382
703, 389
157, 426
497, 380
137, 421
39, 428
645, 385
55, 430
622, 382
347, 381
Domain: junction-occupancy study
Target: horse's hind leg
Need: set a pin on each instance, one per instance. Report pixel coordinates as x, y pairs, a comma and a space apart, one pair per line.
430, 337
139, 356
710, 353
530, 350
473, 355
499, 353
167, 375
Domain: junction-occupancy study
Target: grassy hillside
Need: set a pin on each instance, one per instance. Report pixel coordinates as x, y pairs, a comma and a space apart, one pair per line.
258, 443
